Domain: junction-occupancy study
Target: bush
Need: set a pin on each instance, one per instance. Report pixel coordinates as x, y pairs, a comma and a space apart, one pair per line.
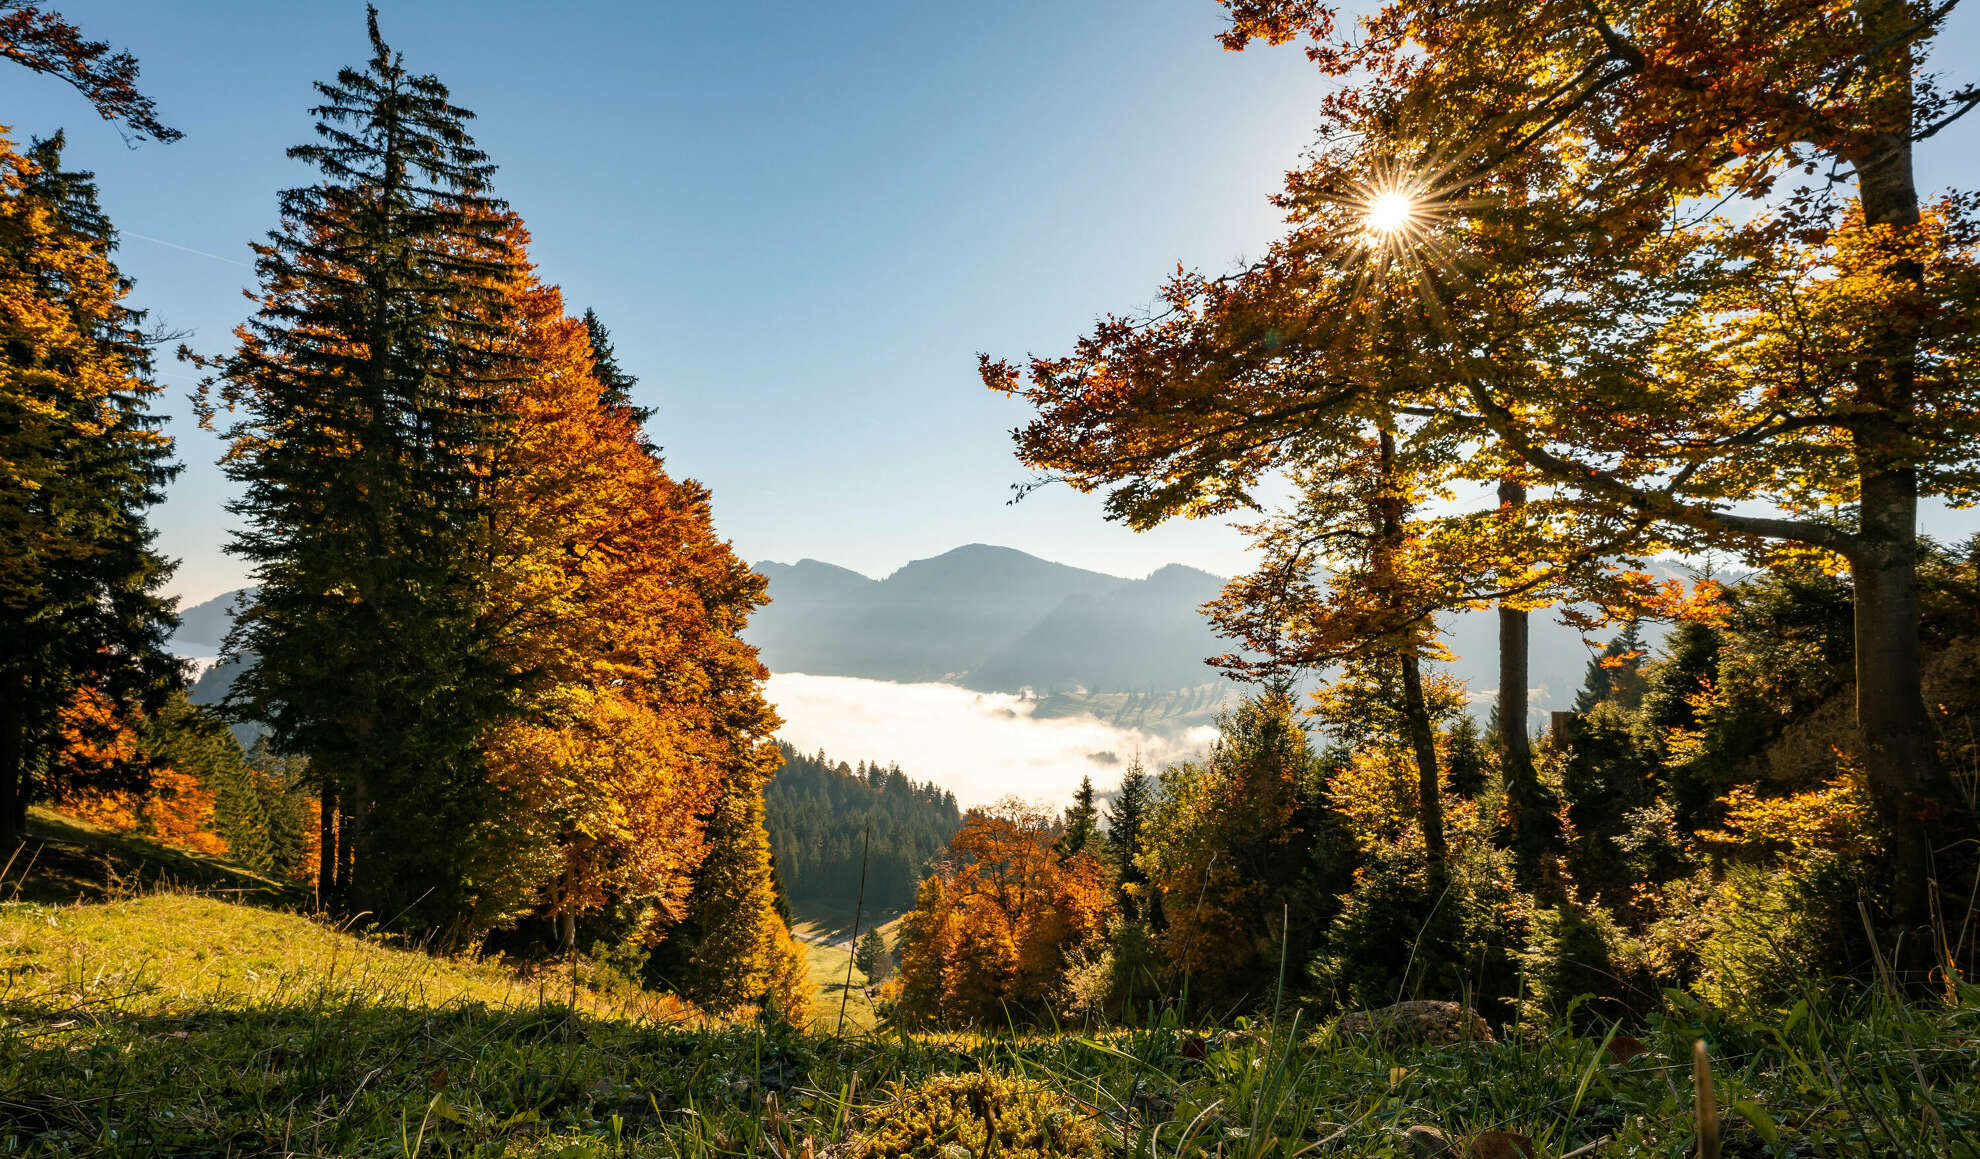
959, 1116
1401, 935
1572, 968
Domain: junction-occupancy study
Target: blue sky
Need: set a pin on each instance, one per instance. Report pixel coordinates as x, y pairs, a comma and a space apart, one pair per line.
800, 220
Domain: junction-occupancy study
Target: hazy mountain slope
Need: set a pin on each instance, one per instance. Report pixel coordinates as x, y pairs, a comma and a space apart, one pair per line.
935, 619
1140, 635
205, 625
994, 619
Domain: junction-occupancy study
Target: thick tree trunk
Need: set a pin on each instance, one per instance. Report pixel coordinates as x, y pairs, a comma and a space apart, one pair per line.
1429, 794
1915, 799
1913, 795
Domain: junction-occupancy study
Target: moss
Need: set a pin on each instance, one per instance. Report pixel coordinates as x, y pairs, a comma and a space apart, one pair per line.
976, 1116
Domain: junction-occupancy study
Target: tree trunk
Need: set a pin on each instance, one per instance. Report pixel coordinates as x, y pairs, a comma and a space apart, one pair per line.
326, 852
13, 776
1429, 795
1531, 812
1914, 798
1913, 795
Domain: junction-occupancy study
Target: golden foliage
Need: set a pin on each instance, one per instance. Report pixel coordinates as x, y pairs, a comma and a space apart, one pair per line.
994, 926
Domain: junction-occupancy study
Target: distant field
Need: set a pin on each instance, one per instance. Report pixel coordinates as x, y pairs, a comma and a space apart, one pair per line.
815, 921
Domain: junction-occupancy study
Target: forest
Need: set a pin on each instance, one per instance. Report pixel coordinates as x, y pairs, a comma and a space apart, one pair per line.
854, 837
1634, 317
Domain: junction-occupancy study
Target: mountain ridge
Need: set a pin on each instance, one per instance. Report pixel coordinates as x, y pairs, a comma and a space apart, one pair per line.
997, 619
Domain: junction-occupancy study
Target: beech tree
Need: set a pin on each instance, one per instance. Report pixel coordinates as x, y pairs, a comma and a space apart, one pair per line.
1790, 375
42, 40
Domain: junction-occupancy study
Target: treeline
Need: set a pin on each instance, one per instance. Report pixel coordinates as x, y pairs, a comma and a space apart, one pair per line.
822, 815
1693, 828
492, 639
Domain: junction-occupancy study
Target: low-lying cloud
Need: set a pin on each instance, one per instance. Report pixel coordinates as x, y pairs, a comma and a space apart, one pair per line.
979, 745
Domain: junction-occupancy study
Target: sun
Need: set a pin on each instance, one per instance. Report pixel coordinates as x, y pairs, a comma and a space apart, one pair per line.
1390, 212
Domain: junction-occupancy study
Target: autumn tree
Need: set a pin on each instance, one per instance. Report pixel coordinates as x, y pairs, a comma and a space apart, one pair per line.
364, 394
82, 617
608, 591
39, 38
995, 926
1805, 354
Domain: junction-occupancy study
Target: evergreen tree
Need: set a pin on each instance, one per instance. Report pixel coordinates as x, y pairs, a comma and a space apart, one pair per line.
732, 950
617, 384
1126, 817
1081, 820
81, 459
368, 381
1617, 672
871, 957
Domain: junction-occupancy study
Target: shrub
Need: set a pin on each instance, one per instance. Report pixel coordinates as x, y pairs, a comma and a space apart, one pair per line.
1401, 934
958, 1116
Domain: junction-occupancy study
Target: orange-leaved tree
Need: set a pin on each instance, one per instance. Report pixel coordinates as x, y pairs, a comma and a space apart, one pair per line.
996, 924
635, 772
81, 458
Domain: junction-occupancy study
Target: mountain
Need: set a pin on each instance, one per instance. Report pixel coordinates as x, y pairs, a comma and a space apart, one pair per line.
994, 619
935, 619
205, 625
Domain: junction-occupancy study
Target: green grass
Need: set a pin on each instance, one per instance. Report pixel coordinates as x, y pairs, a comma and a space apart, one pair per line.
185, 1025
176, 1022
828, 973
67, 860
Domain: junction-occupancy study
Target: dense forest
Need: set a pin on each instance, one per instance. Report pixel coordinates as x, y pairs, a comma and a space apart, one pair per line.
828, 819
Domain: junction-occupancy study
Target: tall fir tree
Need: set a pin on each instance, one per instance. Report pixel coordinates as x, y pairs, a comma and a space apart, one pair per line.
1082, 819
82, 459
368, 382
1127, 815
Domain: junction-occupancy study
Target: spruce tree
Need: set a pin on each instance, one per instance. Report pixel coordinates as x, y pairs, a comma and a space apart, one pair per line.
368, 381
617, 383
81, 459
732, 950
1081, 819
1126, 818
870, 955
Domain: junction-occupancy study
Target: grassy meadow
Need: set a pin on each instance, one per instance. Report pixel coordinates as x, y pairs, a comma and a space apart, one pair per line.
162, 1020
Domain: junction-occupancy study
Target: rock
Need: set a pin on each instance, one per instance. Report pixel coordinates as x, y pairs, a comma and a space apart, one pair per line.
1424, 1021
1500, 1145
1427, 1142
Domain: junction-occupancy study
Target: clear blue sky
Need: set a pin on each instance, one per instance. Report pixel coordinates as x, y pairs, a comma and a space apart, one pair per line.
800, 220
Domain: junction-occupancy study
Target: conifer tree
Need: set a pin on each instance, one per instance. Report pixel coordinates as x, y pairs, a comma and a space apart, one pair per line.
367, 381
1126, 816
1081, 818
870, 955
612, 377
81, 459
733, 951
